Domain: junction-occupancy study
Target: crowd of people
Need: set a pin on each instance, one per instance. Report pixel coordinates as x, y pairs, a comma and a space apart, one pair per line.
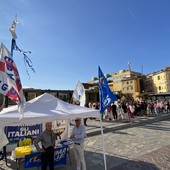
126, 110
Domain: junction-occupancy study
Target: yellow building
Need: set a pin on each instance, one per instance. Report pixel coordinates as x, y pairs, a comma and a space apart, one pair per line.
118, 84
161, 80
131, 86
123, 82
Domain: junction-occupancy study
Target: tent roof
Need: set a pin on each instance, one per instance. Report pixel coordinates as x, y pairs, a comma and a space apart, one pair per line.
44, 108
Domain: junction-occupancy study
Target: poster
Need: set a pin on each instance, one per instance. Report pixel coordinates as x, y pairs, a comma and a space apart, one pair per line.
60, 127
15, 133
34, 159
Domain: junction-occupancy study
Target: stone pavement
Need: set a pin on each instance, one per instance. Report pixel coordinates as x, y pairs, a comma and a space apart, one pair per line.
143, 144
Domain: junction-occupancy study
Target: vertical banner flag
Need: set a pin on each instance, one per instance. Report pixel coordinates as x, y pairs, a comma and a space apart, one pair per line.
79, 93
10, 84
106, 96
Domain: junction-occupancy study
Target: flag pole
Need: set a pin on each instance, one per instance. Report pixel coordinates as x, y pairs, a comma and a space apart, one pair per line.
12, 29
103, 140
103, 145
106, 97
12, 46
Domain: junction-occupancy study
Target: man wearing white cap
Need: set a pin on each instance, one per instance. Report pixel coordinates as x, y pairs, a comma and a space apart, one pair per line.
78, 135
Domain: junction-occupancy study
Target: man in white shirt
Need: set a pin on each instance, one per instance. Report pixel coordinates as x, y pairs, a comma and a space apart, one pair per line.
78, 135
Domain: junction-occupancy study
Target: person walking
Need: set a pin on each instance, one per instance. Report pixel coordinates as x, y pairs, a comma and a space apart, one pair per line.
47, 139
109, 113
114, 111
78, 135
128, 112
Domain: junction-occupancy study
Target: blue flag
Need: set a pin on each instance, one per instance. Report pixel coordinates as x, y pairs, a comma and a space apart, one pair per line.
106, 96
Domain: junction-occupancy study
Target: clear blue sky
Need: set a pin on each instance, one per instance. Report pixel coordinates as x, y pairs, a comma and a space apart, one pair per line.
70, 38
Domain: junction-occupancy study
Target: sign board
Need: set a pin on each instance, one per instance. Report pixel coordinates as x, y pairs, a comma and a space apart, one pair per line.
60, 127
34, 159
15, 133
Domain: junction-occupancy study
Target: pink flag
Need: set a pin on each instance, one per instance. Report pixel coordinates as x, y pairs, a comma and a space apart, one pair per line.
10, 84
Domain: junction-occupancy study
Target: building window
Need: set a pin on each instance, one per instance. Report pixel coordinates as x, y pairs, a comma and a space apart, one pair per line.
158, 77
159, 87
131, 87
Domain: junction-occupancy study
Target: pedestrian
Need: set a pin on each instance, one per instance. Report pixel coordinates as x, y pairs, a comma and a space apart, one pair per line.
78, 135
124, 107
128, 112
109, 113
47, 139
114, 111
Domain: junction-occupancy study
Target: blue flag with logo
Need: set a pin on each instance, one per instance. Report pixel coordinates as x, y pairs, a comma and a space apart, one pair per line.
106, 96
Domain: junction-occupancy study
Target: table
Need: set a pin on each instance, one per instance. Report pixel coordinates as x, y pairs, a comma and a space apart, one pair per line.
34, 159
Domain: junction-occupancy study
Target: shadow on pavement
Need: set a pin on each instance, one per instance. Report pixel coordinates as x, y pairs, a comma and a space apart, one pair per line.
123, 133
156, 126
94, 161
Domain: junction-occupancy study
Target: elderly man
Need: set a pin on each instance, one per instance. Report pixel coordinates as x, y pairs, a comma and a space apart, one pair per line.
78, 135
47, 139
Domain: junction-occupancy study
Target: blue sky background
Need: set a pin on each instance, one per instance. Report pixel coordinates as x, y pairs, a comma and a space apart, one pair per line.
70, 38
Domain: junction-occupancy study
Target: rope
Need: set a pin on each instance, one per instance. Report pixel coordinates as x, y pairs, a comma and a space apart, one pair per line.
27, 60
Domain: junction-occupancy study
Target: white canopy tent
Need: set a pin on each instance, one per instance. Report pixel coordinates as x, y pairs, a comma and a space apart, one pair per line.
47, 108
42, 109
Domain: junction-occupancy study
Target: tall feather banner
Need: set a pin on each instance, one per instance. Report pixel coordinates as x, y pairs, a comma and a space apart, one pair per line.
10, 80
106, 96
79, 94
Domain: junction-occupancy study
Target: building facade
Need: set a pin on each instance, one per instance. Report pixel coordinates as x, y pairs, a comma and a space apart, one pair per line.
31, 93
124, 80
131, 86
158, 82
91, 92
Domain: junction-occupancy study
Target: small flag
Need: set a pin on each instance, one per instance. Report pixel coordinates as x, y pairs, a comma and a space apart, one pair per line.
79, 94
10, 80
106, 96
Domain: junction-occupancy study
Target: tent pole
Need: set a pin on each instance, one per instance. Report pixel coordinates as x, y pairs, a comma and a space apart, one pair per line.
68, 128
103, 143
